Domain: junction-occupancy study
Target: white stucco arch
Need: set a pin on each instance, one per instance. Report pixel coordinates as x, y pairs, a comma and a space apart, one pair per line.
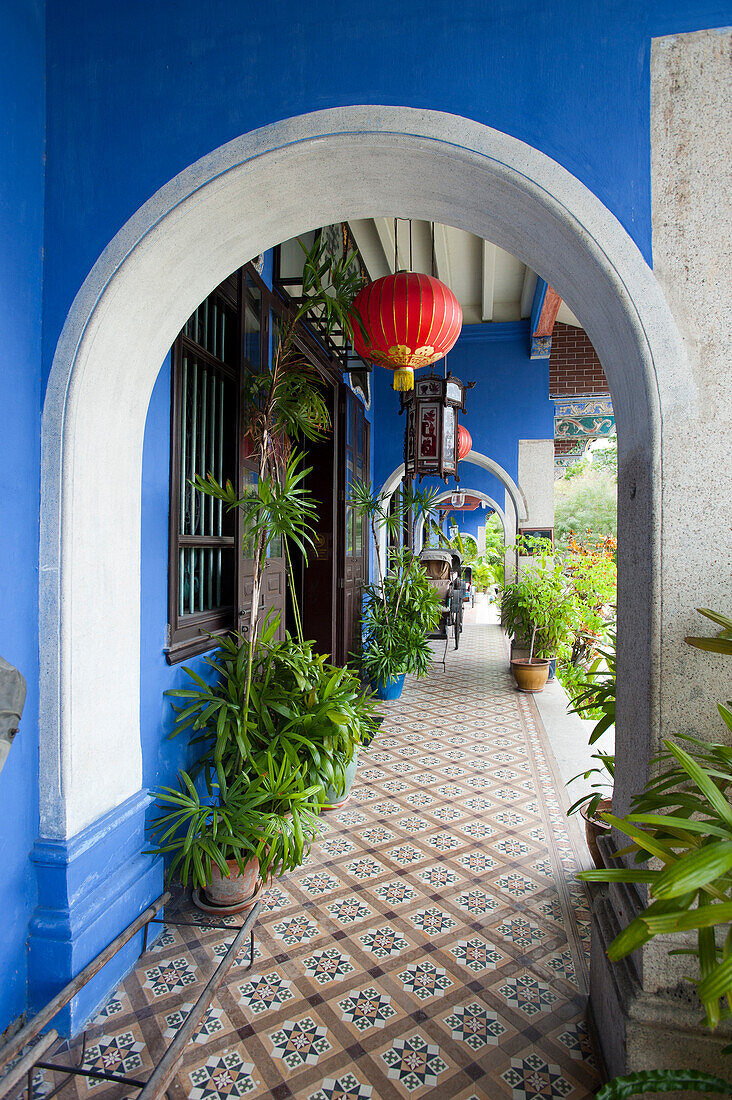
236, 202
485, 463
517, 513
508, 533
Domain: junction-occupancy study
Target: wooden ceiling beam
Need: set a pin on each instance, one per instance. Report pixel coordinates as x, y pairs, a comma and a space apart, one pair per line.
369, 245
489, 280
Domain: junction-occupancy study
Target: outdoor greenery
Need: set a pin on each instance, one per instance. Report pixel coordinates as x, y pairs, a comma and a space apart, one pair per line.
277, 724
402, 608
586, 497
683, 819
537, 607
663, 1080
591, 572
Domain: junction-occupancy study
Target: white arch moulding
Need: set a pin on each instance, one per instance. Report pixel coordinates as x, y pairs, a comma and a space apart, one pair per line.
507, 535
515, 495
262, 188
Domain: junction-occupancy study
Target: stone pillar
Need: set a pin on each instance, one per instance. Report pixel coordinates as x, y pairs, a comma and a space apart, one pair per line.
536, 480
644, 1014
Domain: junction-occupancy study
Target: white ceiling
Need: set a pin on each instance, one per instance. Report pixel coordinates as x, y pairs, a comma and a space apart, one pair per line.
489, 283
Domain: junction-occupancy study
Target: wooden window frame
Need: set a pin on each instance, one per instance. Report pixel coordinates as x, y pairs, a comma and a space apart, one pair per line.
192, 634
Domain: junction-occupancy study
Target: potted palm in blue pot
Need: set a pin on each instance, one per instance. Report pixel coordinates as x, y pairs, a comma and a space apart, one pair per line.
402, 608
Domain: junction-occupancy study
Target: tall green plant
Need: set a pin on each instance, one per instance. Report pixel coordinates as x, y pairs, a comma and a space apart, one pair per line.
537, 608
683, 818
277, 724
402, 608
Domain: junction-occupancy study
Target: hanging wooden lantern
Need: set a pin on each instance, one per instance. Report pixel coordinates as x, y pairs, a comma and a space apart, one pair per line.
431, 433
404, 322
465, 442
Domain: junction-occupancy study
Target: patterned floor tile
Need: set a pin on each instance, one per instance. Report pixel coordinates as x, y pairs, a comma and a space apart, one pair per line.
222, 1075
534, 1079
345, 1087
424, 980
477, 954
367, 1008
349, 910
383, 942
528, 994
475, 1025
387, 965
264, 992
414, 1063
327, 966
299, 1042
296, 930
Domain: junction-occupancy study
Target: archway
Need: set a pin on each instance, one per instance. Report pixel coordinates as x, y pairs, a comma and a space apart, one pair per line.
517, 514
507, 532
322, 168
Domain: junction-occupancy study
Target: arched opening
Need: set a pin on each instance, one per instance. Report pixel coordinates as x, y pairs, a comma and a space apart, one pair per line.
325, 167
510, 518
508, 531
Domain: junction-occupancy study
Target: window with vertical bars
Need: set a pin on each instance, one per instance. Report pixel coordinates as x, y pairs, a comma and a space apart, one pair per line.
356, 470
221, 340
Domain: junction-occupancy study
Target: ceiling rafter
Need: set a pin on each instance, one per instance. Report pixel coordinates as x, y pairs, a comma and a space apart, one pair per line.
489, 280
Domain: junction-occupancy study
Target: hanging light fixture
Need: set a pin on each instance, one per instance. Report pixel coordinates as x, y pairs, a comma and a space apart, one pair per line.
431, 432
409, 321
406, 321
465, 442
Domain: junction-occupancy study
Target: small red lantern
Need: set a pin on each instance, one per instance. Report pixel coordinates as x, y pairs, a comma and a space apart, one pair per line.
465, 442
407, 321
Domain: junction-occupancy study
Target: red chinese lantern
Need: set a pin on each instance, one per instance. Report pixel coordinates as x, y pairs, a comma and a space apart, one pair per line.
465, 442
408, 320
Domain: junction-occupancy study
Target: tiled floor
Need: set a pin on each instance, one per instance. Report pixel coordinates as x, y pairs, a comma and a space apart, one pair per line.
435, 942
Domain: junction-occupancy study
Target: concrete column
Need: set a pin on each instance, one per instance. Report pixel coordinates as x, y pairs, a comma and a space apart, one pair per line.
644, 1013
536, 480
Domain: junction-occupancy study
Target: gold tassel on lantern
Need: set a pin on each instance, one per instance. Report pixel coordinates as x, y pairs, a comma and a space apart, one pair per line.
404, 379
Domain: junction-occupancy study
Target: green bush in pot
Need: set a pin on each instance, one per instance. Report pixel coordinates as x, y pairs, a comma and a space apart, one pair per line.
537, 609
402, 608
264, 776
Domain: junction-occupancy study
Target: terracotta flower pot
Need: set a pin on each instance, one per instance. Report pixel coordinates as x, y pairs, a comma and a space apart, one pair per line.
235, 889
530, 675
595, 828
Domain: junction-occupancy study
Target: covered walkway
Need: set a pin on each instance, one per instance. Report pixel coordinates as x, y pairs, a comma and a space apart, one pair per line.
436, 941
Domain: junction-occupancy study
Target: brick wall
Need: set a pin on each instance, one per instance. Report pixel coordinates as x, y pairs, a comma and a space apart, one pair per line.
567, 447
574, 368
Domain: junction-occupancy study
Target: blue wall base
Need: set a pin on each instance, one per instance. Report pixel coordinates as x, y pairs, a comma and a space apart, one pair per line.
90, 888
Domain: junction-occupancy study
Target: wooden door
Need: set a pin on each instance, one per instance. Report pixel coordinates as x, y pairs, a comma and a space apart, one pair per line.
319, 599
354, 558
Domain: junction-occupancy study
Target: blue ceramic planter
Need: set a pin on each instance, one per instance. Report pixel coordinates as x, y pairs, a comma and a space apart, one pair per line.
391, 689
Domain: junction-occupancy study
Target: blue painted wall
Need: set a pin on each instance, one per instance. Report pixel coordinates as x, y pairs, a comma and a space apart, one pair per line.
137, 91
22, 137
510, 401
126, 96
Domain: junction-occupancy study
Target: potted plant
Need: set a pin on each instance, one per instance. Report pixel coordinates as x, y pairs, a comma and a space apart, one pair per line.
537, 609
225, 846
402, 608
682, 820
597, 802
596, 699
277, 725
